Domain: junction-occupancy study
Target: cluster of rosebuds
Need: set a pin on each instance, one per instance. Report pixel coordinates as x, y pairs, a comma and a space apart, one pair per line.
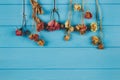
53, 25
35, 37
96, 41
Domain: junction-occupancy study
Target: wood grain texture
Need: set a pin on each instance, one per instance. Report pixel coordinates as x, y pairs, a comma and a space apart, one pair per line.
60, 75
22, 59
12, 15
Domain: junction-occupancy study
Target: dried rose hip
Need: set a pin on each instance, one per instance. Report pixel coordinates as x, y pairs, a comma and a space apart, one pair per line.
88, 15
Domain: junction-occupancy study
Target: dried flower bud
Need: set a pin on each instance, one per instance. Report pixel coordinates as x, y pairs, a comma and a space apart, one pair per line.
71, 29
67, 37
88, 15
93, 27
77, 28
19, 32
77, 7
53, 25
95, 40
31, 36
40, 26
100, 46
67, 24
36, 37
83, 29
41, 42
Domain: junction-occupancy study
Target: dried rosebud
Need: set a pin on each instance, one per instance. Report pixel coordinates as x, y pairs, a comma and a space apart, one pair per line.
40, 26
31, 36
71, 29
100, 46
53, 25
67, 37
19, 32
95, 40
41, 42
77, 27
77, 7
36, 37
93, 27
83, 28
67, 24
88, 15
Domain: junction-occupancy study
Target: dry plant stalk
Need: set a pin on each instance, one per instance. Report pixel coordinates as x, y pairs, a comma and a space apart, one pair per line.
36, 7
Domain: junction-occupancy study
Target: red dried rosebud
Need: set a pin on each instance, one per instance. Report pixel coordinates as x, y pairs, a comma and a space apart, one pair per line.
88, 15
101, 46
53, 25
19, 32
83, 29
40, 26
36, 37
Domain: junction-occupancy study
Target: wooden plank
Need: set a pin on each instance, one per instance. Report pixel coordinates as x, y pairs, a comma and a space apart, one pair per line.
59, 75
12, 15
9, 2
60, 58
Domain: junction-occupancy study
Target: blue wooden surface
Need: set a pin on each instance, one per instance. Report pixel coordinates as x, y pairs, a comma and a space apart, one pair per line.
22, 59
